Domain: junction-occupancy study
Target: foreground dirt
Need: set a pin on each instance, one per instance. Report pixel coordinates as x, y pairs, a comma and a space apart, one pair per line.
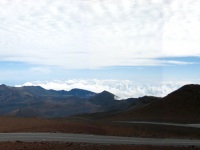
82, 146
8, 124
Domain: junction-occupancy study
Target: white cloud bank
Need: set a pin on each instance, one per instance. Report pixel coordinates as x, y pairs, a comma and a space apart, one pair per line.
98, 33
121, 88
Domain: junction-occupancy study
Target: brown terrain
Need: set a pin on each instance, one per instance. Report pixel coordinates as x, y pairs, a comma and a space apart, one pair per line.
73, 125
81, 146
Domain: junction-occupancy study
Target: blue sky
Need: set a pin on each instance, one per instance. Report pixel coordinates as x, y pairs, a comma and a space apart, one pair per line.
141, 41
16, 72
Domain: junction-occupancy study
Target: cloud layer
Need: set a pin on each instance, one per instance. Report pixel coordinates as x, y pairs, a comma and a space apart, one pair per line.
121, 88
98, 33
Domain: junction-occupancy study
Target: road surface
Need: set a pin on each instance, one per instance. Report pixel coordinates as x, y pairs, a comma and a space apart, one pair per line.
63, 137
162, 123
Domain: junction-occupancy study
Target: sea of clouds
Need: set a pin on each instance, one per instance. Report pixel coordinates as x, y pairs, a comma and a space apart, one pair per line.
121, 88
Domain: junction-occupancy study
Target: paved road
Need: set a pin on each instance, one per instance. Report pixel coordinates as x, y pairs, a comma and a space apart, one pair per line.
62, 137
162, 123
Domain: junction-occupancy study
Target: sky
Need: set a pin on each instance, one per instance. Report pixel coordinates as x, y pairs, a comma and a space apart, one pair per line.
128, 47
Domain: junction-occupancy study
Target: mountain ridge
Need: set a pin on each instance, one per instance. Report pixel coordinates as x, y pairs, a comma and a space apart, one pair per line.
37, 101
181, 104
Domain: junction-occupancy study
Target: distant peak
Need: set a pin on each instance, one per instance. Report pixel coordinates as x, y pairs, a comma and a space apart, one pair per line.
3, 85
190, 87
106, 92
77, 89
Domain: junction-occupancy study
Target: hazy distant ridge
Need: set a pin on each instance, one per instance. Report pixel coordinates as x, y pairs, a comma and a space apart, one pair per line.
29, 101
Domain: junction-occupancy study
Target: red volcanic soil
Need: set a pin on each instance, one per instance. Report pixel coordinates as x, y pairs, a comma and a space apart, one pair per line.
8, 124
81, 146
11, 124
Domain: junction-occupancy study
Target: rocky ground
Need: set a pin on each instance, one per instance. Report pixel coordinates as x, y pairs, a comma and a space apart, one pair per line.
9, 124
81, 146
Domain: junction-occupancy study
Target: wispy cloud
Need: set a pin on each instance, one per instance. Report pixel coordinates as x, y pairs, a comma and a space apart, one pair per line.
121, 88
98, 33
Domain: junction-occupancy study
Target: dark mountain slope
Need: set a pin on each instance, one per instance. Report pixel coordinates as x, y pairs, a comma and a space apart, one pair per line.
36, 101
39, 91
123, 108
180, 105
81, 93
11, 94
34, 90
107, 102
104, 98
